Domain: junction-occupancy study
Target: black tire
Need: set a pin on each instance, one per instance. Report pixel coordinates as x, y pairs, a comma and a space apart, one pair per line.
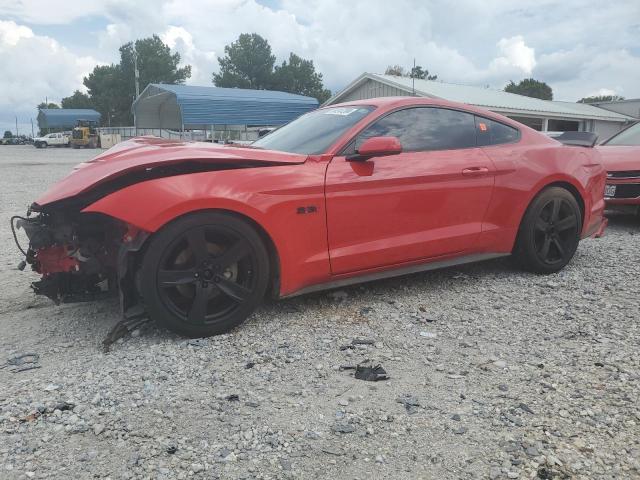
44, 145
550, 232
204, 274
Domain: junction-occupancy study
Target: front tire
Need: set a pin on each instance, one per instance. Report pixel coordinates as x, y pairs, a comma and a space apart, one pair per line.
550, 232
204, 274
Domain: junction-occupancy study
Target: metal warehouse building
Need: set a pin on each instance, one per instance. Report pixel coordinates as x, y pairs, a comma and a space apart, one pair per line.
64, 118
214, 109
543, 115
629, 107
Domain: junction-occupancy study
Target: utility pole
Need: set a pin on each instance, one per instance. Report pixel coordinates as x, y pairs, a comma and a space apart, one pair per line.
413, 78
16, 125
32, 132
136, 72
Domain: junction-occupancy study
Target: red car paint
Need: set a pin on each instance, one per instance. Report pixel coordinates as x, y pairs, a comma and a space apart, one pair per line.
359, 218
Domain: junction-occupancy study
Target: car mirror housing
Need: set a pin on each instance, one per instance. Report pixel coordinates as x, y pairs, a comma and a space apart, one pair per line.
377, 147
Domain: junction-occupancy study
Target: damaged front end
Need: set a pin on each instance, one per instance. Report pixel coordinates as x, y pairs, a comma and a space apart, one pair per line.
80, 256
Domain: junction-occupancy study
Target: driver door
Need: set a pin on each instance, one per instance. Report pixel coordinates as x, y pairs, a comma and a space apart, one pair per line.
428, 201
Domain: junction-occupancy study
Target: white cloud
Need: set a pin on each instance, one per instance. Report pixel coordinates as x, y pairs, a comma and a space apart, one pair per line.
50, 12
11, 33
515, 53
34, 68
202, 62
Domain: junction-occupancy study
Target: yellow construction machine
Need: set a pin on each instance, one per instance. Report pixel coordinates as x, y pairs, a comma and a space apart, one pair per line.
85, 134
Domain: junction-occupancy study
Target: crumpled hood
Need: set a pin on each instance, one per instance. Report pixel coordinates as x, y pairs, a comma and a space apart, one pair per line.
618, 158
144, 153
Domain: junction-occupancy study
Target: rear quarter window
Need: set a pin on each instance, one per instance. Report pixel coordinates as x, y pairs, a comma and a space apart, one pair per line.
490, 132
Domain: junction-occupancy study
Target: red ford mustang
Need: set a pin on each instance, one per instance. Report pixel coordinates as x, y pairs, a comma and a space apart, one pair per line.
621, 157
196, 234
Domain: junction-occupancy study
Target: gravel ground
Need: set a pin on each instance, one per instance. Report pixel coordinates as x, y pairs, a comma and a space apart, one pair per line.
494, 373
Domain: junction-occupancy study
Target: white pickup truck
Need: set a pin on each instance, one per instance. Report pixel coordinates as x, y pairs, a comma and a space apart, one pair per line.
59, 139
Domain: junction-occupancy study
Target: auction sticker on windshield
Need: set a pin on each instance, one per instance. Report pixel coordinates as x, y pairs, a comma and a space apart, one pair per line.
340, 111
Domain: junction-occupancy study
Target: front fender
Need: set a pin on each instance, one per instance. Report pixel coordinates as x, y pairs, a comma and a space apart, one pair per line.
272, 197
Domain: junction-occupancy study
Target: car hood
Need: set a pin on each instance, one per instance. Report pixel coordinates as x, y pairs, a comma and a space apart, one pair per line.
146, 153
620, 158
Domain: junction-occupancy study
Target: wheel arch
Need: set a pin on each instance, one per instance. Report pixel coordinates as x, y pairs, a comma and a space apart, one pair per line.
267, 239
572, 190
564, 184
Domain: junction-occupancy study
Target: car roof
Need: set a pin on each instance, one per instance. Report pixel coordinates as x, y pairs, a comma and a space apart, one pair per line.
390, 103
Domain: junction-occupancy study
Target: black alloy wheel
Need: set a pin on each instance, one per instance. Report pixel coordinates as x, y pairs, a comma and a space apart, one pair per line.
550, 231
555, 231
204, 274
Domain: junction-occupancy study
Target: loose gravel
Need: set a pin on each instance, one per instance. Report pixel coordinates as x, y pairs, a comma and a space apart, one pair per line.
494, 373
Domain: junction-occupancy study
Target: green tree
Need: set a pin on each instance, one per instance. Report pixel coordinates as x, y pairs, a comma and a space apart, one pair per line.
47, 105
395, 70
414, 72
77, 100
419, 72
156, 63
530, 87
109, 94
248, 63
299, 76
112, 87
8, 134
601, 98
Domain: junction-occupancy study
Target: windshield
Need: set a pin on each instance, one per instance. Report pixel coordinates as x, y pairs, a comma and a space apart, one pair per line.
314, 132
628, 137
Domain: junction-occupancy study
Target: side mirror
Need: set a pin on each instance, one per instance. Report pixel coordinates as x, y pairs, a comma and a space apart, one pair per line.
376, 147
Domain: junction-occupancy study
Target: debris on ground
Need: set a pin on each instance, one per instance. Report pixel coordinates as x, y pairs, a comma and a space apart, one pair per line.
343, 428
120, 329
197, 342
22, 362
371, 373
410, 402
357, 341
367, 371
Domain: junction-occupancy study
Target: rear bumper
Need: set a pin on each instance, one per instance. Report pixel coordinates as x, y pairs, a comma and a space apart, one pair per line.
601, 229
596, 228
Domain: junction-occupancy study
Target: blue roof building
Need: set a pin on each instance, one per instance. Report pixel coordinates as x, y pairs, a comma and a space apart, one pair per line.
180, 107
64, 118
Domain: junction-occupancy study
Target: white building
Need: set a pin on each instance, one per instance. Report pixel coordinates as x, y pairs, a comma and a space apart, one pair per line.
543, 115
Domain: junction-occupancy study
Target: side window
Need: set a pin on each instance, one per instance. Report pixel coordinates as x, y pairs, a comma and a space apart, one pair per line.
425, 128
494, 133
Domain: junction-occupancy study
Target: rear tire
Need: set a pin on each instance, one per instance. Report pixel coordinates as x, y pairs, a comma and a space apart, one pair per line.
204, 274
550, 232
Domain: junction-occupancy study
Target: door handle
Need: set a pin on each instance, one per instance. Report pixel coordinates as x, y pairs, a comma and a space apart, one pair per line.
475, 171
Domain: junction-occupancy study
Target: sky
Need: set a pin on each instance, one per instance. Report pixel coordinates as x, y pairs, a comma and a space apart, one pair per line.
579, 47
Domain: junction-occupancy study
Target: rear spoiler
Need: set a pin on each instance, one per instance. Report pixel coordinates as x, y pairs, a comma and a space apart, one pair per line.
578, 139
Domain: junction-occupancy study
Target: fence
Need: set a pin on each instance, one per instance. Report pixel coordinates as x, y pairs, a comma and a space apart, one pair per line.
217, 133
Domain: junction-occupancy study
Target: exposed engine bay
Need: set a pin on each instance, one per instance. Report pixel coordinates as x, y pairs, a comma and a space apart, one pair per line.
81, 256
